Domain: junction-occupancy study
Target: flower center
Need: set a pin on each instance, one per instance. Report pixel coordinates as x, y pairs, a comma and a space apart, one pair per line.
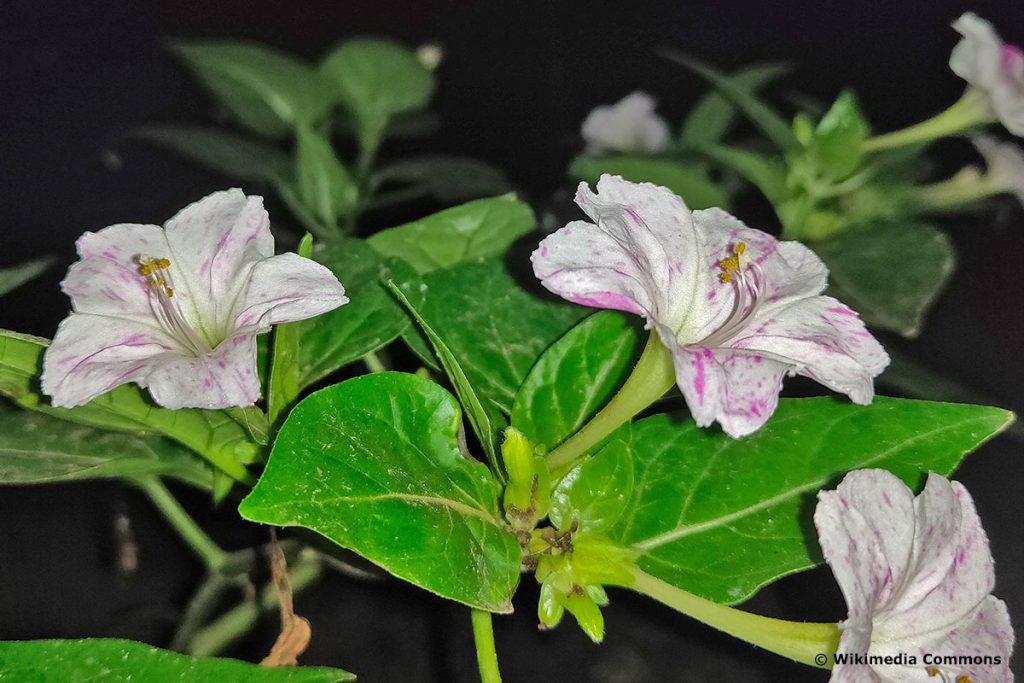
747, 280
165, 307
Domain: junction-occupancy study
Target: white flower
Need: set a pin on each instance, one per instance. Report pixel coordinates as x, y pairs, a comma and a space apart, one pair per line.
738, 309
1005, 162
177, 309
991, 67
630, 125
917, 575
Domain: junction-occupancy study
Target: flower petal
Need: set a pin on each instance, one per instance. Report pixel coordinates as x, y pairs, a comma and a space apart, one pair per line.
854, 640
738, 388
985, 633
213, 244
824, 340
630, 125
92, 354
105, 286
866, 530
643, 256
286, 288
976, 57
951, 572
223, 378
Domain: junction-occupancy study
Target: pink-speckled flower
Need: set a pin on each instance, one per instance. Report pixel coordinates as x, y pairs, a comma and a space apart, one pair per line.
737, 308
177, 309
917, 576
1005, 162
991, 67
629, 125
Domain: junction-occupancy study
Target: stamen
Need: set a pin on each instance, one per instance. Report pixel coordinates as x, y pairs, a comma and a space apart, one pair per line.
157, 273
748, 283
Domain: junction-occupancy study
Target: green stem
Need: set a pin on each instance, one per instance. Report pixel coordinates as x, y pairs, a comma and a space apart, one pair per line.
971, 110
486, 654
374, 363
809, 643
653, 375
239, 620
965, 188
211, 554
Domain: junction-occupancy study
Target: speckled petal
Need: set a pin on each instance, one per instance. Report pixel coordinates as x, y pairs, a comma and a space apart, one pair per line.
286, 288
823, 339
223, 378
92, 354
866, 531
214, 243
737, 388
976, 57
629, 125
108, 286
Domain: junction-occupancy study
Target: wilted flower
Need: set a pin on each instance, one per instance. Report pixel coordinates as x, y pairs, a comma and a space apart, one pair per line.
177, 309
630, 125
917, 575
1005, 162
738, 309
991, 67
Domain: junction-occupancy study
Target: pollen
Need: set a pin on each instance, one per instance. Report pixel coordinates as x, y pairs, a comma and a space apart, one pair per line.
155, 272
731, 264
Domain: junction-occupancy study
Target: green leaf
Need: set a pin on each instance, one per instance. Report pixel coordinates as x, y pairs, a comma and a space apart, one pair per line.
763, 172
595, 495
576, 377
370, 320
709, 120
101, 660
212, 433
486, 420
233, 155
689, 182
13, 277
268, 91
494, 327
891, 273
374, 465
324, 185
838, 144
481, 228
39, 449
763, 116
722, 517
375, 80
447, 179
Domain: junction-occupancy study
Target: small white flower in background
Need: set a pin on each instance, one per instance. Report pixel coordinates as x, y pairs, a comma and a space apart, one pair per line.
917, 575
177, 309
630, 125
991, 67
738, 309
1005, 163
430, 55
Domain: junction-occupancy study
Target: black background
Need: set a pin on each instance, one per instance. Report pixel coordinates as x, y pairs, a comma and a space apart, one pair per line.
516, 81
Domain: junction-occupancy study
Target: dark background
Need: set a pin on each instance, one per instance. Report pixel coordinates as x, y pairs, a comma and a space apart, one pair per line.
516, 81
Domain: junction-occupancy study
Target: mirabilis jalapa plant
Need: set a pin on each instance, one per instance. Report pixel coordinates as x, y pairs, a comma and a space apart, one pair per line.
581, 465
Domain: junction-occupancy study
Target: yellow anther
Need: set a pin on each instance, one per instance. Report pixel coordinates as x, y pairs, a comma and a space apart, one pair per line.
739, 248
169, 291
933, 671
144, 269
164, 263
731, 264
964, 679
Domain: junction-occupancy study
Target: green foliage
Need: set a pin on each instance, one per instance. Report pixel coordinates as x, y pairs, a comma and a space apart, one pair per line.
374, 465
211, 433
267, 91
496, 344
890, 273
324, 185
722, 517
477, 229
447, 179
576, 377
838, 142
369, 321
97, 660
39, 449
233, 155
13, 277
710, 119
688, 181
376, 80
